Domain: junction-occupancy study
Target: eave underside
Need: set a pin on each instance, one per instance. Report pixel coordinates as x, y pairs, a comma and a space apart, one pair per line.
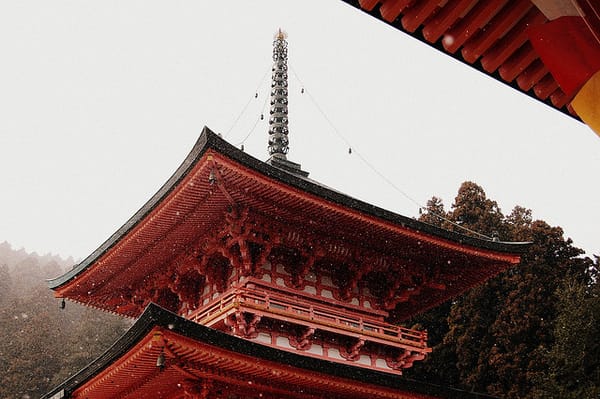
487, 35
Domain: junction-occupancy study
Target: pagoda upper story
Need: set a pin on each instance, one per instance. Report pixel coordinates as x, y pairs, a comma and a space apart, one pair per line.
263, 252
239, 244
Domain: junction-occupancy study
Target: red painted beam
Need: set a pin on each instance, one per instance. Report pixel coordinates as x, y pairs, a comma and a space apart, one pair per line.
418, 13
391, 9
532, 75
368, 5
591, 16
559, 98
476, 19
518, 62
545, 87
445, 18
502, 23
511, 42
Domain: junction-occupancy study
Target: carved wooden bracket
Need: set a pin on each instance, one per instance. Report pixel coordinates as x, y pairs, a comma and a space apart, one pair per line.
197, 389
391, 298
357, 269
404, 360
306, 262
243, 324
244, 241
188, 287
405, 283
353, 352
304, 341
432, 278
153, 290
248, 239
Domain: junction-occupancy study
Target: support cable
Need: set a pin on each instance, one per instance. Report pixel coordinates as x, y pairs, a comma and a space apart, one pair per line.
258, 119
248, 103
353, 150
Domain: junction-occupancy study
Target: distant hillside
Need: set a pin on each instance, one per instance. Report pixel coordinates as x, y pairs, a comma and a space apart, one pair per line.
40, 344
11, 257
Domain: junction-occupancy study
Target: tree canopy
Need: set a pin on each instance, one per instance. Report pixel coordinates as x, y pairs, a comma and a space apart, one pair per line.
510, 336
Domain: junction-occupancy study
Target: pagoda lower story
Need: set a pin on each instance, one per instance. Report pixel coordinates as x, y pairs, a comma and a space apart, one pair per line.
292, 321
165, 356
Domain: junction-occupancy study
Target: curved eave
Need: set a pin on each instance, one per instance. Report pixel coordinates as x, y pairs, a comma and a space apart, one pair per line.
491, 39
210, 141
156, 317
192, 158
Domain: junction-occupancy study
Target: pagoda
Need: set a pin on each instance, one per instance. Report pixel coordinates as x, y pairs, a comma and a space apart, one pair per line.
250, 280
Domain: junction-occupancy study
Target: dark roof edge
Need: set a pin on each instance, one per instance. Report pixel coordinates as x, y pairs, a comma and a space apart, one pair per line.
321, 191
209, 139
188, 163
139, 329
154, 315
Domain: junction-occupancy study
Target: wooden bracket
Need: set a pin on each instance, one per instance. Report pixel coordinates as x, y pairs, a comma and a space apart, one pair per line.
353, 352
197, 389
308, 258
241, 327
304, 341
357, 270
404, 360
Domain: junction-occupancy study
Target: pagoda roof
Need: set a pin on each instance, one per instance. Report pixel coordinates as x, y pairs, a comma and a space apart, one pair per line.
194, 354
217, 176
488, 35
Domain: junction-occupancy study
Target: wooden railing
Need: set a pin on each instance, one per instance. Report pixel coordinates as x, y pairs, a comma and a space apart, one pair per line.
301, 311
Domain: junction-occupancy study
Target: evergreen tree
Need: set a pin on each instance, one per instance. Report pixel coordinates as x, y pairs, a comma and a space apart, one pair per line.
85, 333
574, 359
29, 345
434, 213
524, 327
5, 283
439, 367
474, 212
497, 337
27, 273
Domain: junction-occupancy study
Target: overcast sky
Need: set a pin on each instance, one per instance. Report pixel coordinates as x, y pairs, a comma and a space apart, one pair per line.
101, 101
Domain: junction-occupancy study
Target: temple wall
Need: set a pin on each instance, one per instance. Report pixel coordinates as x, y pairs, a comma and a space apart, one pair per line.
319, 284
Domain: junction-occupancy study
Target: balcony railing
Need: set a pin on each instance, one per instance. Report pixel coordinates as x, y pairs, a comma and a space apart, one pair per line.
264, 300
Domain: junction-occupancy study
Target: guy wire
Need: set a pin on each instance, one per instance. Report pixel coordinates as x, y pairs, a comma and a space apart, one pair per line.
370, 166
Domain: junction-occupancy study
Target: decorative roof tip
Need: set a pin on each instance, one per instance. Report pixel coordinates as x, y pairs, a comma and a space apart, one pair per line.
278, 121
280, 34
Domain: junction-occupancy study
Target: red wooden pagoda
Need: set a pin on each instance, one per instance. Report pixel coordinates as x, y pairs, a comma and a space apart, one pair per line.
250, 280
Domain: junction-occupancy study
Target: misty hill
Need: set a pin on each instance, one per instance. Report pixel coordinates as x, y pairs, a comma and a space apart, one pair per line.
41, 344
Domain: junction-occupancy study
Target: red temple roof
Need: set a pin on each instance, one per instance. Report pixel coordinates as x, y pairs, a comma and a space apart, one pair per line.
495, 37
196, 361
418, 265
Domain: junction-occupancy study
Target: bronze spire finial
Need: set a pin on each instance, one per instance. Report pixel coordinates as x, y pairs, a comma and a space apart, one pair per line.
278, 121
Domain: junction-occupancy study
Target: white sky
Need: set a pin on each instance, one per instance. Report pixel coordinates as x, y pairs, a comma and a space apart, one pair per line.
100, 101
